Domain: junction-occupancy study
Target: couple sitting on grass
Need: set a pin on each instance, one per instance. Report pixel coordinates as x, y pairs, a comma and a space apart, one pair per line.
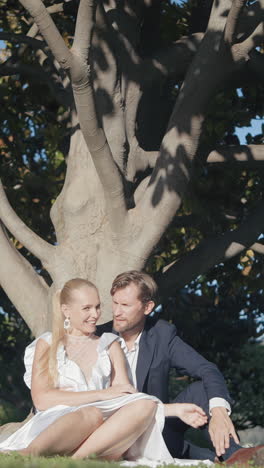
108, 395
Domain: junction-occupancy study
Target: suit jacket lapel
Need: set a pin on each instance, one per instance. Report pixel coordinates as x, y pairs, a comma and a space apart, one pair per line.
146, 352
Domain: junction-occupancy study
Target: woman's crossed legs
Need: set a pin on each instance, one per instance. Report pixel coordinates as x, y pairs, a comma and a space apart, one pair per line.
83, 432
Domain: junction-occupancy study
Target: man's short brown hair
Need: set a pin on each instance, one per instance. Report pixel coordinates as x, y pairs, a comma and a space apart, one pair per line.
147, 287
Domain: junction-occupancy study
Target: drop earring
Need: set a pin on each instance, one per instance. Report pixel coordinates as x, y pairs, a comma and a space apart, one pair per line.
67, 323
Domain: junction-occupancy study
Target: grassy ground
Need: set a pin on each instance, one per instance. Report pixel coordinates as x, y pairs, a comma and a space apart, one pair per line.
16, 461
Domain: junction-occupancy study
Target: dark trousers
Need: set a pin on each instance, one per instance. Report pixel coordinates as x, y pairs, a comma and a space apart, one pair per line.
174, 429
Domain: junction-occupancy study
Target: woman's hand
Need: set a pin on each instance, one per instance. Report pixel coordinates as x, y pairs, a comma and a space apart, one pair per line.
117, 390
189, 413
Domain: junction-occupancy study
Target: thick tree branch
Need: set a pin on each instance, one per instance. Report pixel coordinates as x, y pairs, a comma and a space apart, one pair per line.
140, 190
170, 177
140, 160
232, 20
57, 8
107, 88
29, 38
132, 98
252, 15
250, 154
84, 28
49, 31
33, 31
93, 134
213, 251
66, 7
24, 287
40, 248
254, 40
171, 62
120, 33
144, 159
218, 16
127, 23
257, 247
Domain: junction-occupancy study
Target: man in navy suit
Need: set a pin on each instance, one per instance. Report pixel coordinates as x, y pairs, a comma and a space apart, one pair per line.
152, 347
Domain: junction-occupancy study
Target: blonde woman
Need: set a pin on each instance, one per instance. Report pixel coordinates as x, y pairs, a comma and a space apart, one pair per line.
79, 386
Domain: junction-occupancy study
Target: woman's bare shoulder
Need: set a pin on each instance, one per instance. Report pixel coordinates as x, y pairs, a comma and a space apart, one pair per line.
41, 346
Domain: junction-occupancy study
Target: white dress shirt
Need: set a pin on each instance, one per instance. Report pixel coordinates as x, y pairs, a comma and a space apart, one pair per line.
131, 358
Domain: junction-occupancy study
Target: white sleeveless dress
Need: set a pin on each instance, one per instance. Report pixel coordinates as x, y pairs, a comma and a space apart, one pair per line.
150, 449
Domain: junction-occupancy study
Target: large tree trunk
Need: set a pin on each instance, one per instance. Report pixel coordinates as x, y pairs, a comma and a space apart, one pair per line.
86, 245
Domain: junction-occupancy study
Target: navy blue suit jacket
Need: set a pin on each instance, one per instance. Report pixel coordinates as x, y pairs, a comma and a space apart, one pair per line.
161, 349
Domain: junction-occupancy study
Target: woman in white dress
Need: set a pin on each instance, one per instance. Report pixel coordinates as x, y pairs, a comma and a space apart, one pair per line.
85, 403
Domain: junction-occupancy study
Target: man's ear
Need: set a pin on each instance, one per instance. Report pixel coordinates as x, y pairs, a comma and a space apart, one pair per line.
65, 310
149, 306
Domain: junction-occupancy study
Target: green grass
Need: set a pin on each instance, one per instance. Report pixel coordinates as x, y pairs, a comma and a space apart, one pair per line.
17, 461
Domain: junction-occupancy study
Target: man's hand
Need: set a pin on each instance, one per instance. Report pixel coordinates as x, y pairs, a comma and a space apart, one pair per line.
221, 429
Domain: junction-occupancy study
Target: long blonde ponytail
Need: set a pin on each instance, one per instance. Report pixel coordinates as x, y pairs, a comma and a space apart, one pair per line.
57, 337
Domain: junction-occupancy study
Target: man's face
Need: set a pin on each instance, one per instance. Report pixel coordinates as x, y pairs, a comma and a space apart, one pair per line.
129, 313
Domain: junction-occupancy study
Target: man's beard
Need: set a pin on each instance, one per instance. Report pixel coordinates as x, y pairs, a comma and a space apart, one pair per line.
120, 326
123, 326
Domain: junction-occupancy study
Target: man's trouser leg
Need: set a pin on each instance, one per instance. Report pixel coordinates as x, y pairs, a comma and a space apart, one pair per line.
175, 428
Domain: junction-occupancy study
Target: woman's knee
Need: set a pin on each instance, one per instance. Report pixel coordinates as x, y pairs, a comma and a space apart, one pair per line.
91, 415
147, 407
151, 405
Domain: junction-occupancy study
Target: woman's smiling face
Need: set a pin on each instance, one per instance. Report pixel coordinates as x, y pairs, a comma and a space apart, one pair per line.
83, 310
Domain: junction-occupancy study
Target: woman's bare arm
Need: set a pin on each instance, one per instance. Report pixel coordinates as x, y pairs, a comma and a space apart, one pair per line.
119, 369
45, 396
189, 413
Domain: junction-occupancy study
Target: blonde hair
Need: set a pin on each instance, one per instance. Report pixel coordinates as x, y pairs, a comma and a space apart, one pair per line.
63, 296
